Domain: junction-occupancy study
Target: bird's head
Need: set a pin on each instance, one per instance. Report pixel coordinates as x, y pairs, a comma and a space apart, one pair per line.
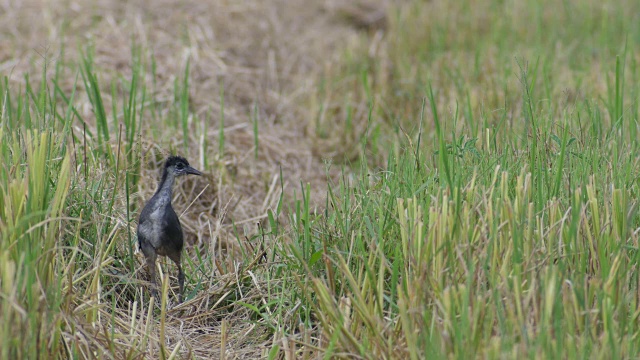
179, 166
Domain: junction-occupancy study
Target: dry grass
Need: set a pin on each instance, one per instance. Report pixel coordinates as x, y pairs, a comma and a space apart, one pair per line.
266, 55
498, 219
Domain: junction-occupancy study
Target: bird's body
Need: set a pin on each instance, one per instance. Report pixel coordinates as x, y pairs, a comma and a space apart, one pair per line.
159, 225
159, 229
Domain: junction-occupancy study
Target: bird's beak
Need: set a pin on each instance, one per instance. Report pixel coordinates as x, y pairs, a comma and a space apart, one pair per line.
193, 171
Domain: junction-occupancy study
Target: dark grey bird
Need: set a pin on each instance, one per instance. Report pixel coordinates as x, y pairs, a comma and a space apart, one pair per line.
159, 229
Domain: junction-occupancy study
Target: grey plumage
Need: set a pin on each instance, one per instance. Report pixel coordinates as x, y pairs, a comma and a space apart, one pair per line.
159, 229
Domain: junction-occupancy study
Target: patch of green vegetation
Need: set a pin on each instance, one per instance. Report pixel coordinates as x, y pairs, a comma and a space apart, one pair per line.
490, 210
580, 60
494, 210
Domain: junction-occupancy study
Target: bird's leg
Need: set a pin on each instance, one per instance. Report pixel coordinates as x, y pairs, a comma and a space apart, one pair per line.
176, 259
180, 281
151, 266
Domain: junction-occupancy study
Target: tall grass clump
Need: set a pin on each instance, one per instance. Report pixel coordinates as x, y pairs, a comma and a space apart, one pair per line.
498, 261
35, 177
497, 215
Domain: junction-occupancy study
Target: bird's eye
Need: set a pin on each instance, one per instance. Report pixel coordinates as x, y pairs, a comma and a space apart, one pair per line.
180, 166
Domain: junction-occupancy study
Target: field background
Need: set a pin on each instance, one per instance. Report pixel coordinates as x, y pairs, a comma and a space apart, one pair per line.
384, 179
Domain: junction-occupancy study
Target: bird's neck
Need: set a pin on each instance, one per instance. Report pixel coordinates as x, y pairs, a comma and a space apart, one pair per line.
165, 187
